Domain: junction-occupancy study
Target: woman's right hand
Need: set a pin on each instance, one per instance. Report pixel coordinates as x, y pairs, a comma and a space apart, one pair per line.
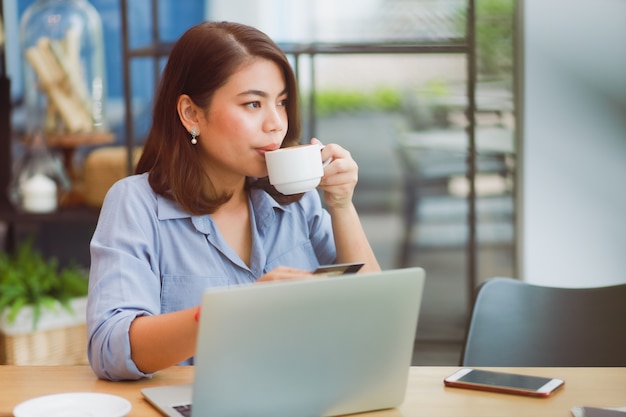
283, 273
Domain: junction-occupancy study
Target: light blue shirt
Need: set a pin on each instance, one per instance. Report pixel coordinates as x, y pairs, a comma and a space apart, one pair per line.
149, 256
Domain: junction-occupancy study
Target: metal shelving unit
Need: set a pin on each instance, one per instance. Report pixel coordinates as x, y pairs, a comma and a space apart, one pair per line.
73, 226
158, 50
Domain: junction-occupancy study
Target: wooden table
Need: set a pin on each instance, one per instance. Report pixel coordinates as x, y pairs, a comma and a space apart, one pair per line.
426, 394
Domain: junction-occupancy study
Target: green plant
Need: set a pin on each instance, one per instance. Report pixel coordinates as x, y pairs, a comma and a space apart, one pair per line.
28, 279
494, 36
435, 88
334, 101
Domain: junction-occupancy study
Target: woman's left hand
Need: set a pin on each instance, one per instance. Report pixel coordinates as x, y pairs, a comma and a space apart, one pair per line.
340, 176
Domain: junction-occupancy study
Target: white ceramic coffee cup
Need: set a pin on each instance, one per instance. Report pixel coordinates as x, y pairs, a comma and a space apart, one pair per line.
295, 169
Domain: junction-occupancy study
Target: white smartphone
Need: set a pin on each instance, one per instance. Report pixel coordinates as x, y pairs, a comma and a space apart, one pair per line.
535, 386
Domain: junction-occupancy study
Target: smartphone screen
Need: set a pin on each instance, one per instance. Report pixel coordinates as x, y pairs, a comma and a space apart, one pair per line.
338, 269
503, 382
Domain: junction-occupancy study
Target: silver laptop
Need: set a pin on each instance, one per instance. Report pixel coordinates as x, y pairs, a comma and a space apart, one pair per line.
314, 347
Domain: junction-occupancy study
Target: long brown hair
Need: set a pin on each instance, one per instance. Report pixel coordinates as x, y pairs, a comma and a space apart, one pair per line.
200, 62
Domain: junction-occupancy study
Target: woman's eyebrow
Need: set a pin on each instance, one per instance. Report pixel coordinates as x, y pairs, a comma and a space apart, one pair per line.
259, 93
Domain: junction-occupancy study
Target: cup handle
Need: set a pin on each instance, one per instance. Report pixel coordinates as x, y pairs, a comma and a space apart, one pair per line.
326, 162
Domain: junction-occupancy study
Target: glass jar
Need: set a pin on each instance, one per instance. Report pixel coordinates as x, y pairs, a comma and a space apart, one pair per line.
64, 74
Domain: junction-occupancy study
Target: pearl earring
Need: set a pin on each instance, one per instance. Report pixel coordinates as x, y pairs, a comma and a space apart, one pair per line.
194, 134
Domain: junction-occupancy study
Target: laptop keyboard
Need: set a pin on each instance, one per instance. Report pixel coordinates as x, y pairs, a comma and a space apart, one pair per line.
184, 410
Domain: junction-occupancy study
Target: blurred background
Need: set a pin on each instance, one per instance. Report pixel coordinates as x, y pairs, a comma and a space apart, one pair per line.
490, 134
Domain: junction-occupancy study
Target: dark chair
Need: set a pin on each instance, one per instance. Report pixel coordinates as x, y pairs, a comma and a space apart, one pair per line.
519, 324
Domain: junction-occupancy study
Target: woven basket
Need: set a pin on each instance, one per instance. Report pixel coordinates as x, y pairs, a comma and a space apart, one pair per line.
102, 168
59, 339
62, 346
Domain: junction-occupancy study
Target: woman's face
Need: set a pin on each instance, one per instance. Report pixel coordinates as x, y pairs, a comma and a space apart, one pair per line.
247, 117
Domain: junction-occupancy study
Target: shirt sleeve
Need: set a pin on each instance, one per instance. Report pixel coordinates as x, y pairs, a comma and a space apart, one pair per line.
124, 280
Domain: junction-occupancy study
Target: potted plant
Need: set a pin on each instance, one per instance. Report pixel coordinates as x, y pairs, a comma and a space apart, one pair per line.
42, 309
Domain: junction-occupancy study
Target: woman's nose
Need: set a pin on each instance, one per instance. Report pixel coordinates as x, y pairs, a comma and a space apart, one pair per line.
275, 120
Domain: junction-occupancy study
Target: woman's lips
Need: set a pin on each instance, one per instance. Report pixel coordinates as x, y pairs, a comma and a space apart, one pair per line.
267, 149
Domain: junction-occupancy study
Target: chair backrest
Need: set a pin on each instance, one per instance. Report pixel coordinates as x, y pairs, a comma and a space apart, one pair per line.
519, 324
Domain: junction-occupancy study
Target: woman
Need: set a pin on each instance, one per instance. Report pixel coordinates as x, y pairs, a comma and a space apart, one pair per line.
200, 213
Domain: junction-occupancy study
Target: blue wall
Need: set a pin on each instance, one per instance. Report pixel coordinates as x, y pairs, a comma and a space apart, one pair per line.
174, 18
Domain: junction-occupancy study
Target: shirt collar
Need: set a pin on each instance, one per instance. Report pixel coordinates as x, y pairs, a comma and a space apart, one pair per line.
262, 204
264, 208
168, 209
